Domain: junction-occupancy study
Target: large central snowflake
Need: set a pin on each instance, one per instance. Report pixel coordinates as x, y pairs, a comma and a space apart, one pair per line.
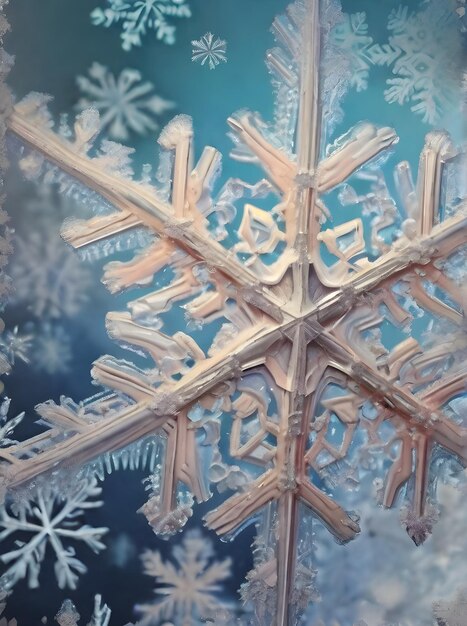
297, 380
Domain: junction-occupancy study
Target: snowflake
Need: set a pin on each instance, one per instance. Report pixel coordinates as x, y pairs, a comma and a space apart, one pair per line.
125, 103
422, 50
48, 277
16, 345
293, 367
69, 616
210, 50
137, 17
52, 353
49, 517
190, 586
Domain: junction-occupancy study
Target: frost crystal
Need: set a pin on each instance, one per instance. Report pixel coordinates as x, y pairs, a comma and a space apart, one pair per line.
7, 425
422, 57
16, 345
209, 50
301, 393
137, 17
190, 586
69, 616
49, 517
124, 102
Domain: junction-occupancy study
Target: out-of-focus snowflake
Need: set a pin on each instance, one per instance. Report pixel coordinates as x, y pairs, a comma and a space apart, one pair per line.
190, 586
69, 616
137, 17
452, 612
49, 517
52, 353
422, 51
48, 277
352, 39
209, 49
121, 550
124, 102
16, 345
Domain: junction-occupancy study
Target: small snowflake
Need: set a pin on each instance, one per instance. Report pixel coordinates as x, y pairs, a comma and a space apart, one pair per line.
48, 517
190, 586
124, 102
52, 351
137, 17
209, 49
16, 345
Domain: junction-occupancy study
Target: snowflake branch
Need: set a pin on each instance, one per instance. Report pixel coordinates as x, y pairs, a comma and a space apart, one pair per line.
135, 199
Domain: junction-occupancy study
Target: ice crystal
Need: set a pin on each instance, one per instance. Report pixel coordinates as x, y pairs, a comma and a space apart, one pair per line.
69, 616
7, 425
209, 49
422, 51
124, 102
49, 517
46, 275
137, 17
52, 350
16, 345
191, 584
299, 392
